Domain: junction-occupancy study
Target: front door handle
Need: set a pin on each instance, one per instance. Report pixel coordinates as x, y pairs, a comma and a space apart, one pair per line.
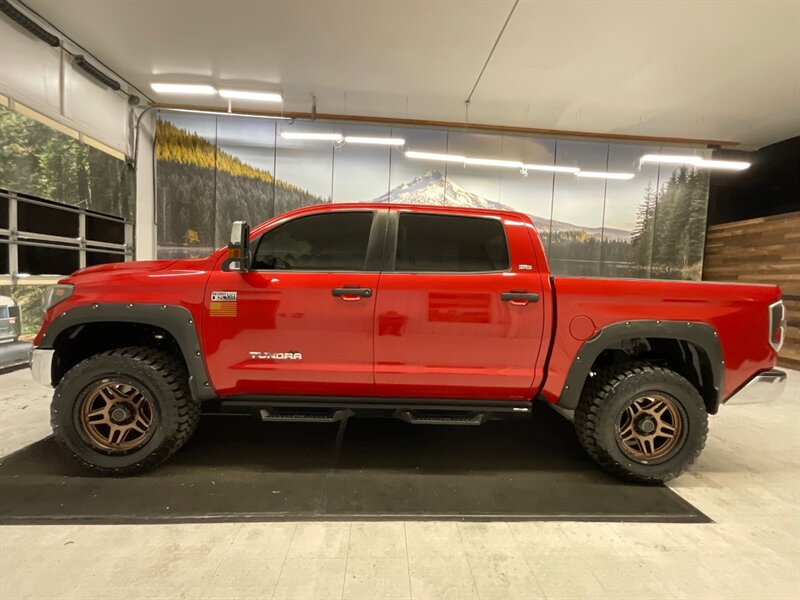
519, 298
351, 293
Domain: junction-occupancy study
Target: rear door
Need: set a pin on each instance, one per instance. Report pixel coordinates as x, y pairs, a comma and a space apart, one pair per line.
456, 315
300, 322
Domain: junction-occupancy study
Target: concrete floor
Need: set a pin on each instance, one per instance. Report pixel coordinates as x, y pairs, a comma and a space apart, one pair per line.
747, 480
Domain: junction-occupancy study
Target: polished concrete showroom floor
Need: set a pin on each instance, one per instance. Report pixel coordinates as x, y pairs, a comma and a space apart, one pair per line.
747, 481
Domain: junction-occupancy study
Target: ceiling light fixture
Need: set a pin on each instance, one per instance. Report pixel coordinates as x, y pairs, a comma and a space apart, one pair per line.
670, 159
551, 168
329, 137
354, 139
492, 162
603, 175
694, 160
435, 156
728, 165
245, 95
183, 88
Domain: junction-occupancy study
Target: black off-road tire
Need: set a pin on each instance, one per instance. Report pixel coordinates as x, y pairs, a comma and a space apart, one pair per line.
161, 376
606, 396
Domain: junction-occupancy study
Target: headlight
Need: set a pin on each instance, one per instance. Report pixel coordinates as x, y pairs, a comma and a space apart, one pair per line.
55, 294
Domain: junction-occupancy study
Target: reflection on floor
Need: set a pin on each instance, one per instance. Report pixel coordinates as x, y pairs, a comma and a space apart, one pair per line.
747, 480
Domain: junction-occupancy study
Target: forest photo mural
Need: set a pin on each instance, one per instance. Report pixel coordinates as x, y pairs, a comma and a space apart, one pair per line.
213, 170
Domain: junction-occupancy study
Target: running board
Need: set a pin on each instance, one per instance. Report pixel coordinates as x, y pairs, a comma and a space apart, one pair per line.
421, 417
301, 415
415, 411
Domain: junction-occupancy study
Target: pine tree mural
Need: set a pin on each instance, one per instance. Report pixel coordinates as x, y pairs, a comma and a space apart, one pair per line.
670, 226
203, 189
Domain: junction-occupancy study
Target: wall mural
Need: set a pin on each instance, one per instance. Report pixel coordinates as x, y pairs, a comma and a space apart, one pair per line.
214, 170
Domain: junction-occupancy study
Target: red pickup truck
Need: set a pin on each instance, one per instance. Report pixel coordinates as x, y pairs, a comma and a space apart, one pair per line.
434, 315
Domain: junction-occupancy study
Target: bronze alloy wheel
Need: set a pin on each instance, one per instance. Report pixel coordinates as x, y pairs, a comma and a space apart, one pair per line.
116, 416
651, 428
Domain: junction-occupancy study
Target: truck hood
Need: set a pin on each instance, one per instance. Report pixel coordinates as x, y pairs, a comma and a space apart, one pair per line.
136, 265
113, 271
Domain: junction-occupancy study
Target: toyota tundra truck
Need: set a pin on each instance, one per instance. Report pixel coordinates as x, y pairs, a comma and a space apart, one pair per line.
433, 315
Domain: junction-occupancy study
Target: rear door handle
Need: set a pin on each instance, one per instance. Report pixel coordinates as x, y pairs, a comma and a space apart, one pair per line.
519, 298
351, 293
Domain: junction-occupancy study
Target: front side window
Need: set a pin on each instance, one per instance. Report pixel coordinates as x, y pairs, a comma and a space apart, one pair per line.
326, 242
427, 242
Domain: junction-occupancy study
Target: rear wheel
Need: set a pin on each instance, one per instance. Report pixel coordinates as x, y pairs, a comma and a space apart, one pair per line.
125, 410
641, 422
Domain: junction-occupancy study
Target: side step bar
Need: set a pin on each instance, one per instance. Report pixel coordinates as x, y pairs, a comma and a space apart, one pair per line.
421, 417
329, 410
304, 416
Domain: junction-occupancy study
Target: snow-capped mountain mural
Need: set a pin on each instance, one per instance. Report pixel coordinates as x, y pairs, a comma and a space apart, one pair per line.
434, 188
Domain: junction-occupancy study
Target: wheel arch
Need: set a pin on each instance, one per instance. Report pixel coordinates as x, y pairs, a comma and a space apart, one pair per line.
692, 349
87, 330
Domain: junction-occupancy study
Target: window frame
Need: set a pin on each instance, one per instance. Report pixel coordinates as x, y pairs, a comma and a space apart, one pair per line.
392, 238
373, 259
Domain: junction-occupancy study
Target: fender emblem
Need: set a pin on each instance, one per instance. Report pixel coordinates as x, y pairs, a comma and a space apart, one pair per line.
276, 355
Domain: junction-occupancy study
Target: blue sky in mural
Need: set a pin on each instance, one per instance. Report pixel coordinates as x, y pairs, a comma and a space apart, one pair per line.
361, 173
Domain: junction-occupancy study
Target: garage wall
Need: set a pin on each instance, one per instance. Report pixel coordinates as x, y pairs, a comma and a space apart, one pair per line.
763, 250
212, 170
754, 230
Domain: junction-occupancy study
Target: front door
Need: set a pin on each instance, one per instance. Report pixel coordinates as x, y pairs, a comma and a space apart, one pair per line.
456, 317
300, 322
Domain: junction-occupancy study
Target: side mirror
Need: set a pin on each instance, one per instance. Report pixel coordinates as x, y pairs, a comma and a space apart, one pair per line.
239, 247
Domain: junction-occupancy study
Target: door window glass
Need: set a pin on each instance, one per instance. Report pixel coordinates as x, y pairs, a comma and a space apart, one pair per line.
428, 242
327, 242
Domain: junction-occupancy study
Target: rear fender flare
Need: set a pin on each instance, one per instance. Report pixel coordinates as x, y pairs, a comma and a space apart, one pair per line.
700, 335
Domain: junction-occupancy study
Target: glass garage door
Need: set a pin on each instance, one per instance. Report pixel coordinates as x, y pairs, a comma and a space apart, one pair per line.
42, 241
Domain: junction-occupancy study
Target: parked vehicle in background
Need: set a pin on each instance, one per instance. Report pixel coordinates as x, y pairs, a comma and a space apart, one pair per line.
433, 315
10, 320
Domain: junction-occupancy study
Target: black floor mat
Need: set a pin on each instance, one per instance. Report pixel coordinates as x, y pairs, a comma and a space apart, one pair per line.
238, 468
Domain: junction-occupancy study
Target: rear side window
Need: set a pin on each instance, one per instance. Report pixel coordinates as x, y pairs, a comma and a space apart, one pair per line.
327, 242
444, 243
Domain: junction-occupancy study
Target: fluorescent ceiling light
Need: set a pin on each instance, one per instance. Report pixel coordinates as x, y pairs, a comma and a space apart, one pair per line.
435, 156
491, 162
296, 135
354, 139
670, 159
244, 95
551, 168
730, 165
182, 88
697, 161
603, 175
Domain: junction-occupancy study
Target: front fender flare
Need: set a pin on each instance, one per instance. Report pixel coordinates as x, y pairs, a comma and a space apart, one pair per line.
178, 321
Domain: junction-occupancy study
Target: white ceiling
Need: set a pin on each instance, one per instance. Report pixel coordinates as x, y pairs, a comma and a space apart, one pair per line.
704, 69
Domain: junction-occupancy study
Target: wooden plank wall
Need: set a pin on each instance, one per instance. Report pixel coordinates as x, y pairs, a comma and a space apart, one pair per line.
764, 250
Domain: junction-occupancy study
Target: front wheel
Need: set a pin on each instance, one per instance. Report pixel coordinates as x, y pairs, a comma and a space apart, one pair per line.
641, 422
125, 410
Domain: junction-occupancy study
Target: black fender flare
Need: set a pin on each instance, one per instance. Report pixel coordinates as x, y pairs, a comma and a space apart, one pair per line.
178, 321
700, 335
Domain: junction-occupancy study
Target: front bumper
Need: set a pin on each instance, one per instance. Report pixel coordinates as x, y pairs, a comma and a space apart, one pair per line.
42, 365
764, 387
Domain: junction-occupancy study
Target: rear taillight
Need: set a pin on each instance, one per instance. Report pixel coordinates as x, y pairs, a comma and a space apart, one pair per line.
777, 325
